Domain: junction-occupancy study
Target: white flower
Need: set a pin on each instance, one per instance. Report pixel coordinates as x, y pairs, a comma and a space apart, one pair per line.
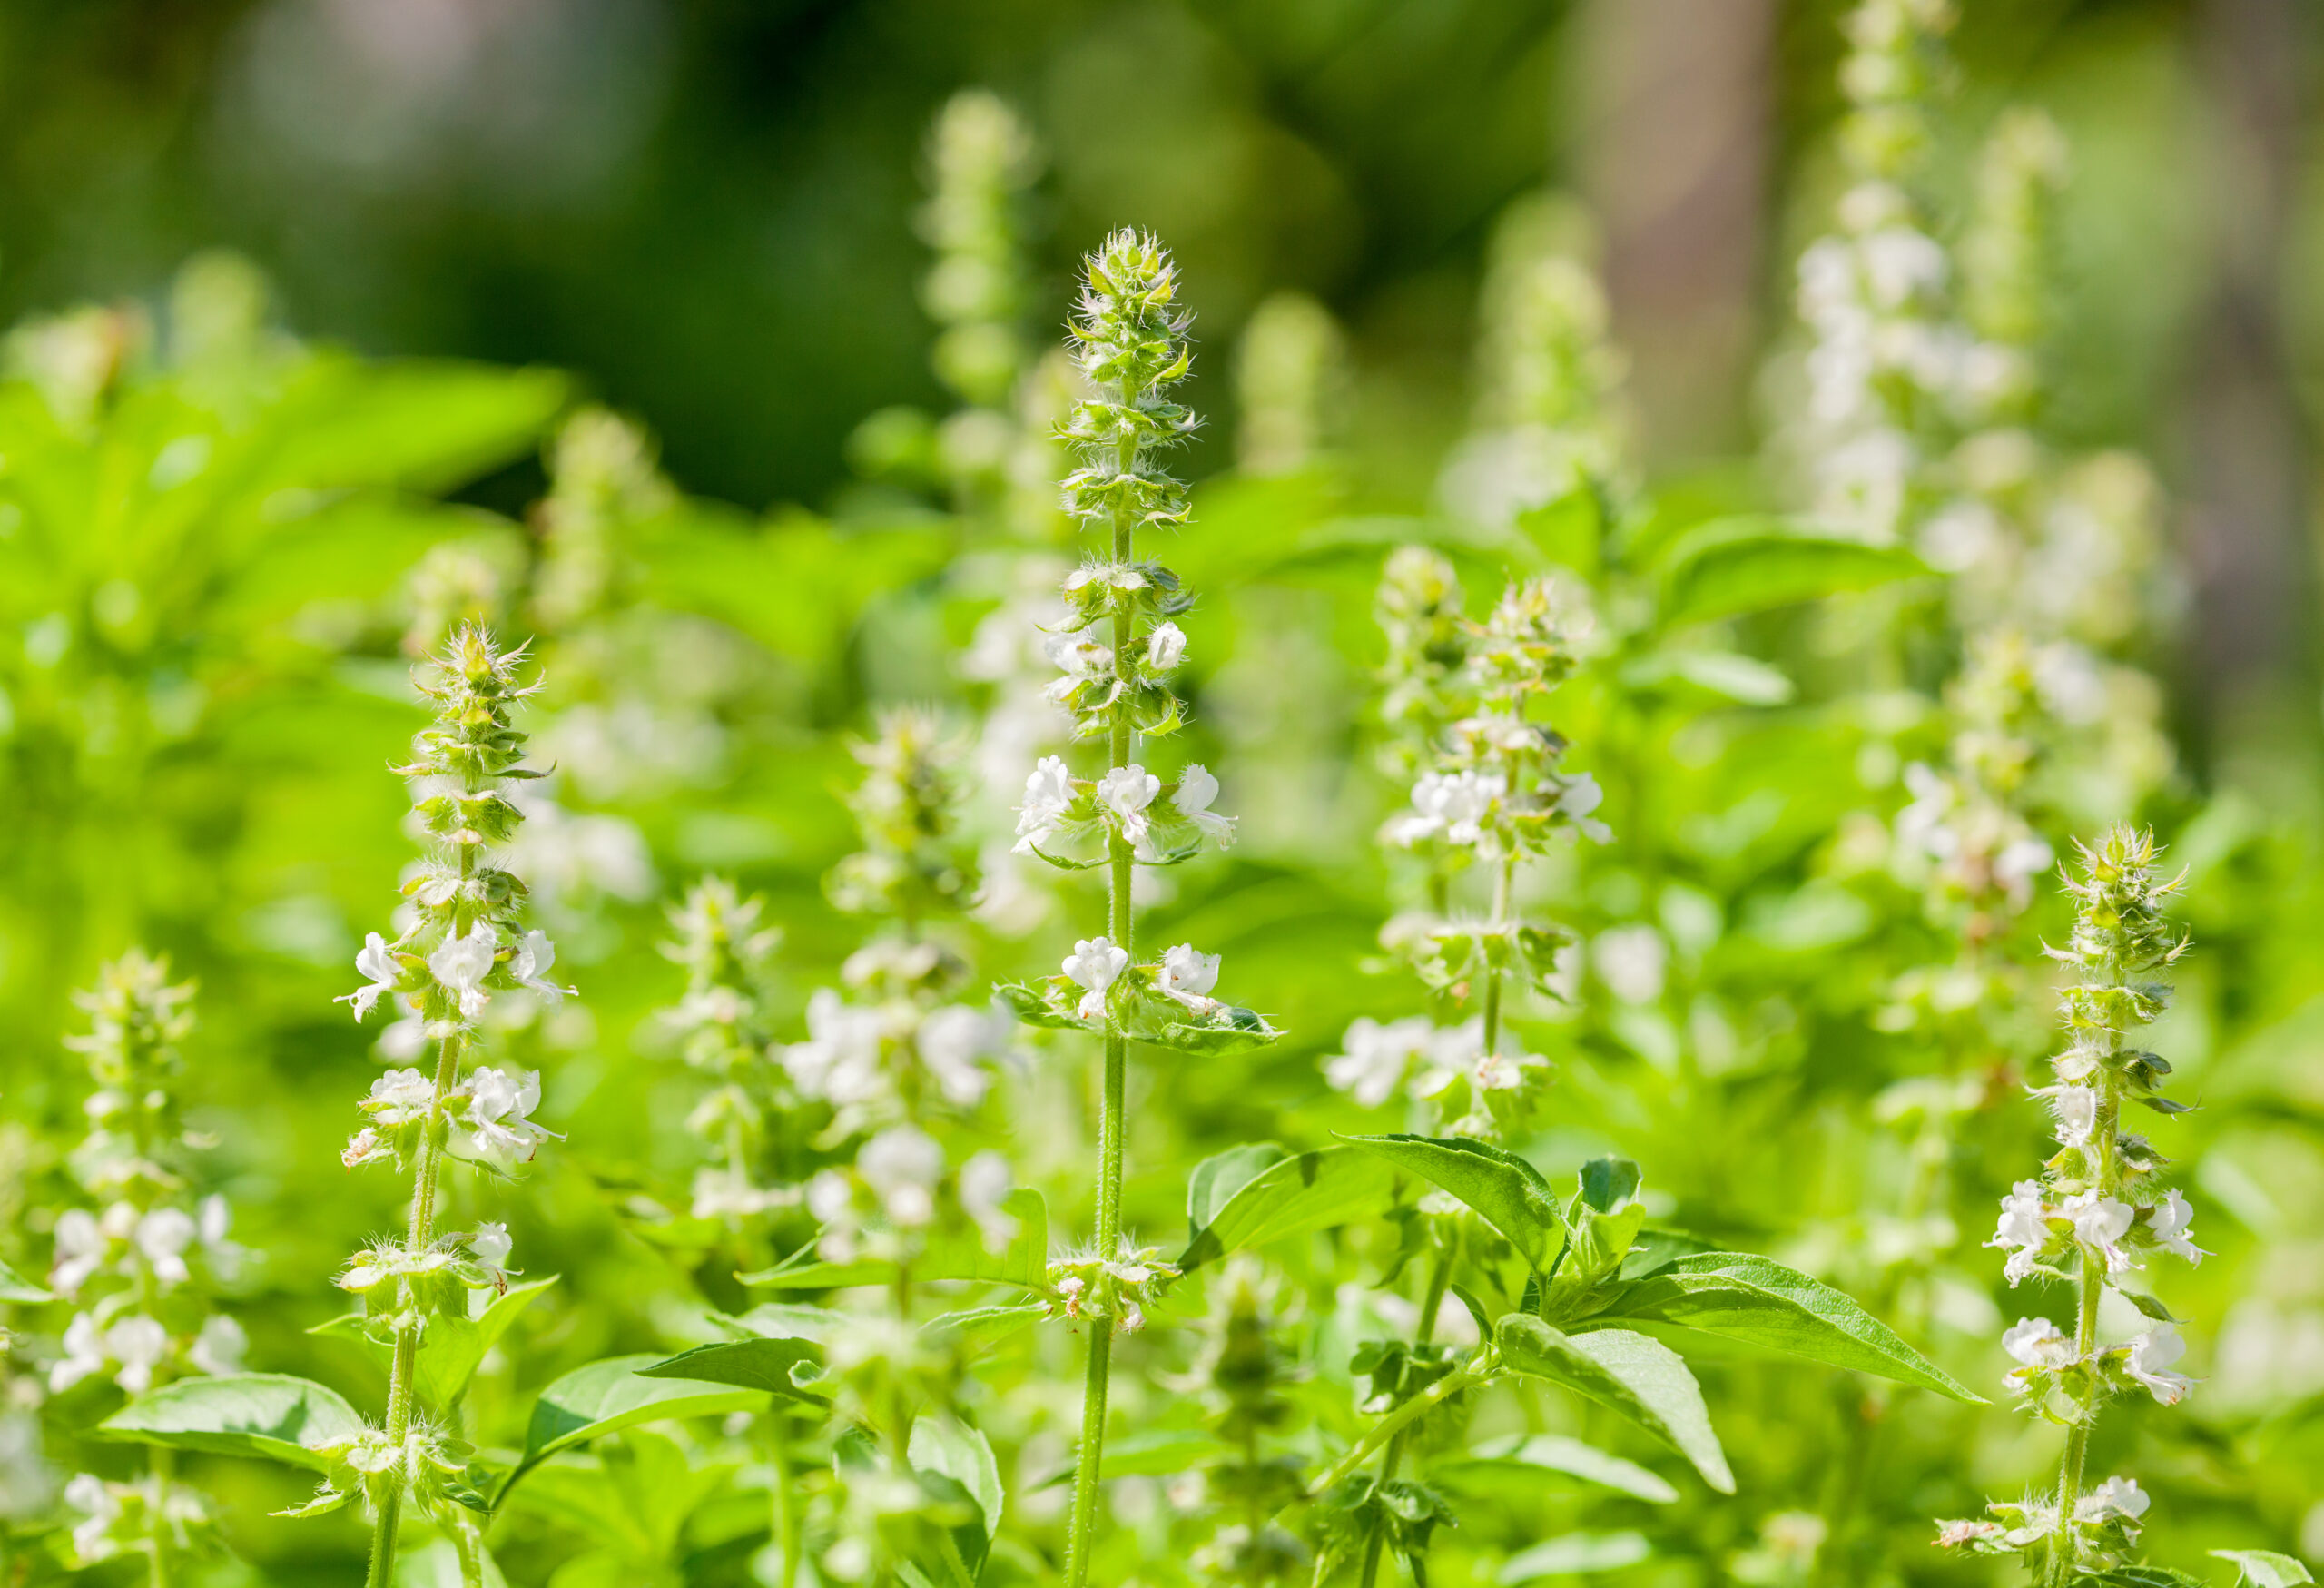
1078, 656
219, 1348
491, 1245
2020, 861
2024, 1229
531, 963
162, 1237
84, 1353
2116, 1497
493, 1128
2151, 1355
1197, 789
2077, 1111
138, 1343
1094, 964
90, 1493
1578, 799
80, 1248
2101, 1222
830, 1195
1165, 646
1921, 826
840, 1060
364, 1147
902, 1165
461, 963
1048, 794
1126, 790
1187, 975
954, 1041
378, 964
2170, 1219
985, 1181
1452, 805
1374, 1057
399, 1097
2038, 1342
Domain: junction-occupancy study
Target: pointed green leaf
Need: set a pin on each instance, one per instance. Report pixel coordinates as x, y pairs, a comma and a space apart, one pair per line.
1749, 1297
2265, 1568
1576, 1555
609, 1395
981, 1326
760, 1364
1217, 1177
1331, 1186
1506, 1191
452, 1348
1733, 566
1243, 1031
940, 1445
1556, 1453
271, 1416
1642, 1379
2137, 1577
16, 1287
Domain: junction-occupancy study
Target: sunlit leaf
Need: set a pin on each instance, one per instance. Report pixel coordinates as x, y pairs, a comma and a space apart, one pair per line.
1506, 1191
270, 1415
1642, 1379
1314, 1190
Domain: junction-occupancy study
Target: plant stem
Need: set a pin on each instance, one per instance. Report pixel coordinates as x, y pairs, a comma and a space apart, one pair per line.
418, 1236
786, 1515
2105, 1130
1504, 884
1439, 1280
1479, 1370
1120, 922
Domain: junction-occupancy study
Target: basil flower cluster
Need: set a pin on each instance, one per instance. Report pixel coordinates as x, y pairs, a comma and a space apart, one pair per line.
2095, 1214
723, 1029
139, 1265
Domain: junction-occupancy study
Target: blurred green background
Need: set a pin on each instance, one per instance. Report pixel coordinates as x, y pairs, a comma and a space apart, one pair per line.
702, 214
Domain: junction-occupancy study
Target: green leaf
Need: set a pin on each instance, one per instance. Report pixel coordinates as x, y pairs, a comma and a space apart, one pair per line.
1732, 566
2265, 1568
436, 1564
1642, 1379
1038, 1003
981, 1326
271, 1416
1749, 1297
1331, 1186
610, 1395
2137, 1577
1217, 1177
451, 1350
952, 1449
760, 1364
1247, 1030
1556, 1453
1656, 1249
1576, 1554
1506, 1191
1744, 679
16, 1287
802, 1270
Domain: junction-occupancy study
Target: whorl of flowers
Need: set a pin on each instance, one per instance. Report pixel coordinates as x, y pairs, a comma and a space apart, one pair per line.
1419, 609
1244, 1373
461, 942
981, 158
135, 1267
1493, 792
914, 862
723, 1030
1547, 373
601, 478
1290, 376
2094, 1214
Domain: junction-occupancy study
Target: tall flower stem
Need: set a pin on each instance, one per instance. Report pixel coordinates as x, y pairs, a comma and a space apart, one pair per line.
420, 1234
1120, 922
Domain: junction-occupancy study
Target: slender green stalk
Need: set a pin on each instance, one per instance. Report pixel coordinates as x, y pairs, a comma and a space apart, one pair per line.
1120, 925
786, 1512
1479, 1370
1440, 1279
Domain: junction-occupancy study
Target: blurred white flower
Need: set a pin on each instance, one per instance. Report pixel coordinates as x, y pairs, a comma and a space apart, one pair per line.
902, 1165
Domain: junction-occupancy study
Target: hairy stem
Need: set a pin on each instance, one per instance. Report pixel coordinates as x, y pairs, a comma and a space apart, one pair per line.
418, 1236
1120, 922
2105, 1131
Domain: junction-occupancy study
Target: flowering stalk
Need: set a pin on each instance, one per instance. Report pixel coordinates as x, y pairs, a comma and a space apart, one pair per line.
2094, 1203
721, 1025
460, 941
1128, 334
138, 1319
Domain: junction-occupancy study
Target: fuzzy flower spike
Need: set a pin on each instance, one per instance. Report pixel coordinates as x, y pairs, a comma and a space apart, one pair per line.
1119, 651
2093, 1217
465, 944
